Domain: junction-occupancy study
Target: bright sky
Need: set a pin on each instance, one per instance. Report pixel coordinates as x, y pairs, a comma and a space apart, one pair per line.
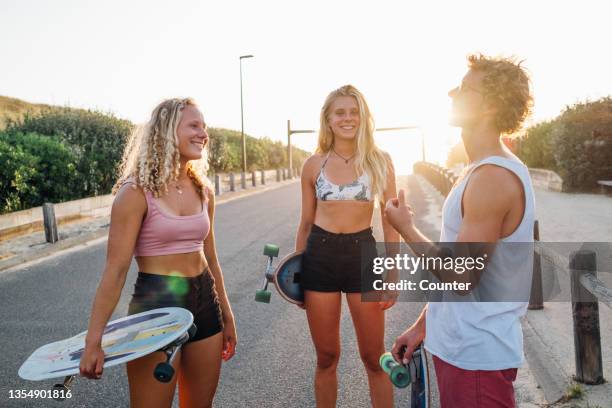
125, 56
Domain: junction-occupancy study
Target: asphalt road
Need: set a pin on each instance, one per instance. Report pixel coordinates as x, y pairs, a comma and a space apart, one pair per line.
275, 359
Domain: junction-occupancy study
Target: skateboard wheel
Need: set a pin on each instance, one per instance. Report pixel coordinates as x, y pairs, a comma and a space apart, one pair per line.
192, 331
271, 250
263, 296
400, 376
163, 372
387, 362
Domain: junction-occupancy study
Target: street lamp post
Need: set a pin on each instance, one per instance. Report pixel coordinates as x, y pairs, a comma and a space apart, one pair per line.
244, 162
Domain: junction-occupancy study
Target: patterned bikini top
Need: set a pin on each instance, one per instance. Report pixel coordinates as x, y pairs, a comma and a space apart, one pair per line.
358, 190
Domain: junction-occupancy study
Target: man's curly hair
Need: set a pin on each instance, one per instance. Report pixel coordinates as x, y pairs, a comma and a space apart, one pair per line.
506, 87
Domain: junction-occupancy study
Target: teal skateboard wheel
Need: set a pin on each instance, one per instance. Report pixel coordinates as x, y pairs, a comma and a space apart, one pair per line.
398, 374
263, 296
271, 250
386, 362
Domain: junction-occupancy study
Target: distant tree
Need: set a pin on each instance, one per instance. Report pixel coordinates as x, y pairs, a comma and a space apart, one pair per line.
264, 153
583, 144
577, 144
537, 146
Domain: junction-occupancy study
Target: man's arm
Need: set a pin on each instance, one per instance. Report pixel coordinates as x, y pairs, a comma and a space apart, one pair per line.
487, 199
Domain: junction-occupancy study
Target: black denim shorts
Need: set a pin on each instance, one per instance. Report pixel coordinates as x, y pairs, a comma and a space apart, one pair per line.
196, 294
339, 262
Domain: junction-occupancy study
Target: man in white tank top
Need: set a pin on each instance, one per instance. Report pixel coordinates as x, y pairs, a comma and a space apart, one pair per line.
477, 347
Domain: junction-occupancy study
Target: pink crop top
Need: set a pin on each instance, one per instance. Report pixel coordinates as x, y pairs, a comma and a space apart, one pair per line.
164, 234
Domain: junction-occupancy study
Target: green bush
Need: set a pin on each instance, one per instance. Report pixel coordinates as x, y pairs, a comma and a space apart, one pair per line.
96, 138
17, 170
226, 152
584, 144
36, 169
537, 147
577, 145
221, 157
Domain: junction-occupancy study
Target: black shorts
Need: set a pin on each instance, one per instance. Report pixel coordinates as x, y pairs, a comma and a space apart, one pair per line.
196, 294
339, 262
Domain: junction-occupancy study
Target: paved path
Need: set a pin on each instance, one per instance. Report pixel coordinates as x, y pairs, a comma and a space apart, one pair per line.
50, 299
574, 217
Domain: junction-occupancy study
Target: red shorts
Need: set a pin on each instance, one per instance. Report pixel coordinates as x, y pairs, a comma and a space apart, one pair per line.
474, 388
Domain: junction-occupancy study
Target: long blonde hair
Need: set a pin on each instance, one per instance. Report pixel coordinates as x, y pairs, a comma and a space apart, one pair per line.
151, 158
368, 158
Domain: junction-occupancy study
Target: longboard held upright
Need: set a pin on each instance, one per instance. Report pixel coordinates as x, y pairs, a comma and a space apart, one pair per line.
286, 276
415, 373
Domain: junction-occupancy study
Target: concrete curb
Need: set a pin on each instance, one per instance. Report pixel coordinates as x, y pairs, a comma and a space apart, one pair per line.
51, 249
546, 371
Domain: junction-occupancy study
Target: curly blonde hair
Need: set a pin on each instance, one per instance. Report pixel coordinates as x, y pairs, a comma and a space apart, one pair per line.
507, 87
369, 158
151, 158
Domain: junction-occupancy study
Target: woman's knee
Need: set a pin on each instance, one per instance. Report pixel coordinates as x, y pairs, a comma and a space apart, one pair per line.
327, 359
371, 360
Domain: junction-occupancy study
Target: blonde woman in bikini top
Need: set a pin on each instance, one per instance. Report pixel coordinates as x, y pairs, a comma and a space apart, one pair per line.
340, 184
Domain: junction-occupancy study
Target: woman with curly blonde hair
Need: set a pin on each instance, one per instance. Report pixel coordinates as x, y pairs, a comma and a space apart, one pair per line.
340, 184
163, 214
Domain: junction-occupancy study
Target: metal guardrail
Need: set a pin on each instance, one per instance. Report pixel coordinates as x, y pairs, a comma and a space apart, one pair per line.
586, 289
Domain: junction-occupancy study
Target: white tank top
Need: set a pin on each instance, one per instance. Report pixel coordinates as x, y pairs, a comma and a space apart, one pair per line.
476, 335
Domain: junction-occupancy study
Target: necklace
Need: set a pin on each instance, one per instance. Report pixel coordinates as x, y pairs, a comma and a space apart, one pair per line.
178, 187
342, 157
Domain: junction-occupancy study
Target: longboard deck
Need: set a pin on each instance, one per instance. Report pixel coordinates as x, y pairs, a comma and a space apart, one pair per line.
124, 339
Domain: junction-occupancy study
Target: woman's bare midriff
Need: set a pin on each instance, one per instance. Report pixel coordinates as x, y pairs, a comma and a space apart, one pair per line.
344, 216
187, 265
